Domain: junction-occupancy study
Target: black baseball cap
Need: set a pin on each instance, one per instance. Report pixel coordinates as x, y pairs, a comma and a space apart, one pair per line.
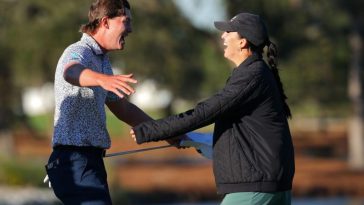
249, 26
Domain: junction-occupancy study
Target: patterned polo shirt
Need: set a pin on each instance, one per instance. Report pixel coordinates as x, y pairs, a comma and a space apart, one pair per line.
80, 117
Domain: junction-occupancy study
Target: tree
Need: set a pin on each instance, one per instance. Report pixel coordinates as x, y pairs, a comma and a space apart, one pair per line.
166, 47
33, 35
313, 55
356, 82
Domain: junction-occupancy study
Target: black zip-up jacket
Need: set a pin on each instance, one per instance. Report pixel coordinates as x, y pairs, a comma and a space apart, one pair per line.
252, 147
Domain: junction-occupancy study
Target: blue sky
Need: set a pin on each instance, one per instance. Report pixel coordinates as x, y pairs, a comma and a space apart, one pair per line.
203, 13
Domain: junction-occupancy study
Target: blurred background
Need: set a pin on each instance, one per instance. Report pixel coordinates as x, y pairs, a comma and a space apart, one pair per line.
177, 57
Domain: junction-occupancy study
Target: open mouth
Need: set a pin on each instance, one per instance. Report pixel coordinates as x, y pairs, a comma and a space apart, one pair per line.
122, 40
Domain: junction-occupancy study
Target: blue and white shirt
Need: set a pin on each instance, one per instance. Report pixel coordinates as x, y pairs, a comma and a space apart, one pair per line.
80, 117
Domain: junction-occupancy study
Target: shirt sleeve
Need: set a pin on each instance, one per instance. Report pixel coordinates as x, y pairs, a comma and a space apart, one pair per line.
237, 91
77, 54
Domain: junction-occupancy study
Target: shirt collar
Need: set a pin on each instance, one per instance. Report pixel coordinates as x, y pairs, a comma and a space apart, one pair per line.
92, 43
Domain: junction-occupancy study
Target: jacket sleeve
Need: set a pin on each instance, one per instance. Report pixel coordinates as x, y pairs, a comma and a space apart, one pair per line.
237, 90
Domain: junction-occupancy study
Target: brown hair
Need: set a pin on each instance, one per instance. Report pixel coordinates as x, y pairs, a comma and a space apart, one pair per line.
101, 8
272, 61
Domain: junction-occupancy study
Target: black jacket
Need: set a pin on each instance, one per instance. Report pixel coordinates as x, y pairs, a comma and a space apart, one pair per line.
253, 149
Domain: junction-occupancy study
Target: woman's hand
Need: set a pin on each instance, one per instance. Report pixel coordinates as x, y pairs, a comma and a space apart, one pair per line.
172, 141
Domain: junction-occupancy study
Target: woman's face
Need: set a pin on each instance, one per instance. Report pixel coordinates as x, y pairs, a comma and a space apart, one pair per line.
232, 44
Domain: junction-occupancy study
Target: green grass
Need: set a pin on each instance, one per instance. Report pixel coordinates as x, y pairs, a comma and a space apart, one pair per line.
14, 171
312, 110
41, 123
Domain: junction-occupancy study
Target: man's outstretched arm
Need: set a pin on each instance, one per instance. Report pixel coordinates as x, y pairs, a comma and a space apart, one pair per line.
77, 74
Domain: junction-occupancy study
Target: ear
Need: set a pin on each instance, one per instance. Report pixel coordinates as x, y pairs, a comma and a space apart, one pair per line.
104, 22
243, 43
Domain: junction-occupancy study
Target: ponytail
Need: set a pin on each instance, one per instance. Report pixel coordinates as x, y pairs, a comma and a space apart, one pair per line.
272, 61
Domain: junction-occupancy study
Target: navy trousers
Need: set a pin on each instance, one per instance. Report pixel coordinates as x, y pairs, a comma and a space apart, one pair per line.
78, 175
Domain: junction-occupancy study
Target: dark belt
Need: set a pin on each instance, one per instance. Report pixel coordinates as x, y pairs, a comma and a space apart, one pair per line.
89, 149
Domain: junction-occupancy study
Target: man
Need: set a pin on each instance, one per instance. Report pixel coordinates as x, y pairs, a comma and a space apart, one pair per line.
84, 83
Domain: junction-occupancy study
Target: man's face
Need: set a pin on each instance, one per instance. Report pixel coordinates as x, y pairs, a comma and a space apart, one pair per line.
118, 28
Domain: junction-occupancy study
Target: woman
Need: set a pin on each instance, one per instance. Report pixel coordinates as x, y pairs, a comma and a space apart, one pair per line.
253, 155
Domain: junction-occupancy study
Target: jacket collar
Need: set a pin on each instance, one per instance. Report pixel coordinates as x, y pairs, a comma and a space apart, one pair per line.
251, 59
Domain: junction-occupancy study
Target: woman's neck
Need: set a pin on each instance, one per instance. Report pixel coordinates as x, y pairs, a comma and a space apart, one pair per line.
245, 53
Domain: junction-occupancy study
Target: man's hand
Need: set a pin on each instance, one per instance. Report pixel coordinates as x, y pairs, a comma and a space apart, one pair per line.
117, 83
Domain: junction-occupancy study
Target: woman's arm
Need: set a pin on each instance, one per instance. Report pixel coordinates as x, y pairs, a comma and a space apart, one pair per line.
236, 92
